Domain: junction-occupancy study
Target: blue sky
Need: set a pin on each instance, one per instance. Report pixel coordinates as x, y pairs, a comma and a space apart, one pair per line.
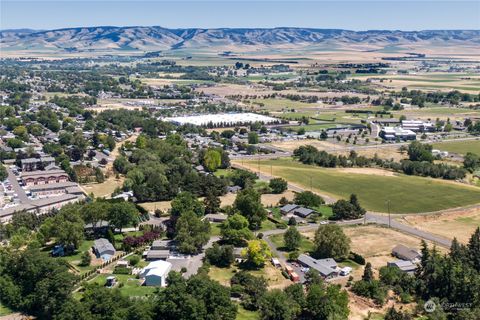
353, 14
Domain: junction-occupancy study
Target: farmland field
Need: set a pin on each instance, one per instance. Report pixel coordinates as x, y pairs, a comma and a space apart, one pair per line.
408, 194
461, 147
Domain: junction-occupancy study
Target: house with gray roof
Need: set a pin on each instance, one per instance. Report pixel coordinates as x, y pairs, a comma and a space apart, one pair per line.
326, 267
405, 266
103, 249
303, 212
405, 253
288, 208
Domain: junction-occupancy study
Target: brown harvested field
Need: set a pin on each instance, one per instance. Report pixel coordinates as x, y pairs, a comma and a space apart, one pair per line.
152, 206
294, 144
459, 223
224, 90
104, 189
383, 152
369, 171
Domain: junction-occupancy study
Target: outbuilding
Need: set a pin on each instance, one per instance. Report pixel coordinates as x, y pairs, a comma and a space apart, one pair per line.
155, 274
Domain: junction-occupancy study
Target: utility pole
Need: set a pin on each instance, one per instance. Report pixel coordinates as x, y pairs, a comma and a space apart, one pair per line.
389, 217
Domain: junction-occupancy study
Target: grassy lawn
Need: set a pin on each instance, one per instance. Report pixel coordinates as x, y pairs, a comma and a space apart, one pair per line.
326, 211
408, 194
223, 172
305, 244
215, 229
75, 259
268, 225
246, 314
4, 310
273, 275
127, 284
461, 147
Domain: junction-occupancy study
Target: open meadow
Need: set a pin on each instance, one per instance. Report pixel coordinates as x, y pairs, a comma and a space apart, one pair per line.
407, 194
460, 147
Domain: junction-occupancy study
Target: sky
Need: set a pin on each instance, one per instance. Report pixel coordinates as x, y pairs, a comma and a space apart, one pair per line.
340, 14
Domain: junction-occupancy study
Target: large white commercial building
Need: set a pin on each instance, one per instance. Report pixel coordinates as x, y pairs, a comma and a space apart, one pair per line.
394, 133
222, 119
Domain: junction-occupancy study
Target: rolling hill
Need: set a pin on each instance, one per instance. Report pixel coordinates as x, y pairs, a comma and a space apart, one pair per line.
159, 38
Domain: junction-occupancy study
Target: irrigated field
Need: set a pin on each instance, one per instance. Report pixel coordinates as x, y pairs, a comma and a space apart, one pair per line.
461, 147
407, 194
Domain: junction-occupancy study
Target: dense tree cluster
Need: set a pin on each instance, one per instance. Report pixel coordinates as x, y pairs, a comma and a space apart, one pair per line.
158, 169
347, 210
420, 162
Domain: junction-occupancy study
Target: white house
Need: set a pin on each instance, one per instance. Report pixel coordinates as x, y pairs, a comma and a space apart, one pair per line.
155, 274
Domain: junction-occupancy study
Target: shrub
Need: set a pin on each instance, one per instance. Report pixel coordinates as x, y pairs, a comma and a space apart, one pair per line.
134, 260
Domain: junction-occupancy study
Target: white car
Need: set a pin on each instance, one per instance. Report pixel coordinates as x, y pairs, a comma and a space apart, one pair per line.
324, 222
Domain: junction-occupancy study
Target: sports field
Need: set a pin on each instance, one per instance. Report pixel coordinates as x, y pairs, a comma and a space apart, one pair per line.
407, 194
461, 147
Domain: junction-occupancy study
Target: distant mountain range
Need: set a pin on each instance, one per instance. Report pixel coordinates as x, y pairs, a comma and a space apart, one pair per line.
159, 38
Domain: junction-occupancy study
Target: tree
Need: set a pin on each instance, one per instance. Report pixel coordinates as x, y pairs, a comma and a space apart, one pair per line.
420, 152
393, 314
276, 305
191, 233
331, 242
86, 259
243, 178
278, 185
185, 201
212, 160
348, 210
212, 203
221, 256
122, 214
292, 239
326, 302
251, 288
235, 230
199, 297
308, 199
256, 253
473, 248
367, 272
253, 138
3, 172
471, 161
248, 203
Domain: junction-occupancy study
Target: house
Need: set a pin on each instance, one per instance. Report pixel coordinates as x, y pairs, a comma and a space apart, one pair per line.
212, 217
405, 266
161, 245
326, 267
32, 164
155, 274
286, 209
103, 249
303, 212
157, 255
405, 253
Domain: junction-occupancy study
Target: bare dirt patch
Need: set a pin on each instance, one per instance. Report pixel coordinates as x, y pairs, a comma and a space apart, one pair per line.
369, 171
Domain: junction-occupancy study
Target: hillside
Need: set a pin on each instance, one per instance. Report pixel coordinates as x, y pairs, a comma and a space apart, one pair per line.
158, 38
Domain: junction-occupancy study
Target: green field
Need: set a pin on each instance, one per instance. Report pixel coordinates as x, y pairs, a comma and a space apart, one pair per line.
461, 147
407, 194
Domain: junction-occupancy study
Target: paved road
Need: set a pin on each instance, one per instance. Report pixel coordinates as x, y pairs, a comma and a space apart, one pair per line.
22, 196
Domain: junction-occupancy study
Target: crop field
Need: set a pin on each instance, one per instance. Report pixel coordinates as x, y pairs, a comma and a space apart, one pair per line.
461, 147
430, 81
407, 194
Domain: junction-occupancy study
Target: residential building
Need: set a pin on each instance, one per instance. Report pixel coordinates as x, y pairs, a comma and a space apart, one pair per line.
405, 266
103, 249
326, 267
405, 253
